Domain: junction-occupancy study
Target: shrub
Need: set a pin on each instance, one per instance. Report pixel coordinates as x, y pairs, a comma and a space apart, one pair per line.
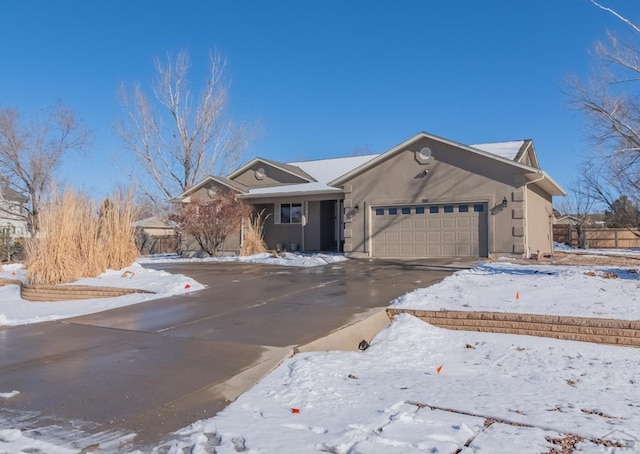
76, 240
253, 235
210, 222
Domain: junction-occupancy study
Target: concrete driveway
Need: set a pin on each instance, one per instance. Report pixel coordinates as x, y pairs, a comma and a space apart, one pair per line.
155, 367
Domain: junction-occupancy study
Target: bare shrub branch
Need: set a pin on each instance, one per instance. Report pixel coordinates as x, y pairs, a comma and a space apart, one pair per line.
210, 222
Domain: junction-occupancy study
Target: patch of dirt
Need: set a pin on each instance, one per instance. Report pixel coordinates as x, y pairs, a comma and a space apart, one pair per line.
585, 259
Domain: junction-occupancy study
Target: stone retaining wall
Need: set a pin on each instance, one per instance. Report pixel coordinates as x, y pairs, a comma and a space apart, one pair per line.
599, 330
67, 292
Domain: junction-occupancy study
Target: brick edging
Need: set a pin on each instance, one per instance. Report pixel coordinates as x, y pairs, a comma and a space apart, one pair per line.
67, 292
598, 330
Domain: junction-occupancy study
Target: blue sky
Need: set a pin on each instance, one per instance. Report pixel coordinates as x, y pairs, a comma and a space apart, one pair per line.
326, 78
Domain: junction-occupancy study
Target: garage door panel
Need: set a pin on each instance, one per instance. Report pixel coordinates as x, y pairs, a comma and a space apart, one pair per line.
448, 223
434, 236
406, 237
449, 236
464, 223
419, 236
429, 231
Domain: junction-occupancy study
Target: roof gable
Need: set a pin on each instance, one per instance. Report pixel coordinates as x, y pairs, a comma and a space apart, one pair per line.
10, 195
234, 186
288, 168
423, 135
322, 171
509, 149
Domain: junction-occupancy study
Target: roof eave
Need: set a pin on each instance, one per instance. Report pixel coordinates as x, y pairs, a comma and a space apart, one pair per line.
289, 194
544, 180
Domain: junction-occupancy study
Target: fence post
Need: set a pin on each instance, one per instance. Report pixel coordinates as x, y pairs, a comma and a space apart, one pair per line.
615, 236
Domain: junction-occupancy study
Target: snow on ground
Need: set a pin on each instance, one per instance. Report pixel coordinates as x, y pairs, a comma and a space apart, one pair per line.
16, 311
286, 259
421, 388
494, 393
600, 292
563, 247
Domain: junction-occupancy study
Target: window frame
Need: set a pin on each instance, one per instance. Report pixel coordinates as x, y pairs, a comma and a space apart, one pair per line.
290, 218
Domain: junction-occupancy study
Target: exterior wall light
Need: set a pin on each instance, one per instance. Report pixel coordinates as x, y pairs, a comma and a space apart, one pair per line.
504, 202
356, 208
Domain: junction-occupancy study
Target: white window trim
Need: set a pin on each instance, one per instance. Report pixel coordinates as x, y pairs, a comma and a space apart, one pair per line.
277, 213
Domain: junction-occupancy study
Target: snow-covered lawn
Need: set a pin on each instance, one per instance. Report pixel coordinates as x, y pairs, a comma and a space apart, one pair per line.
419, 388
16, 311
563, 247
601, 292
493, 394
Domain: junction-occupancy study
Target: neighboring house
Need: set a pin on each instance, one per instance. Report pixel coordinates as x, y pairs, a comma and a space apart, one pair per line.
590, 220
427, 197
13, 213
156, 236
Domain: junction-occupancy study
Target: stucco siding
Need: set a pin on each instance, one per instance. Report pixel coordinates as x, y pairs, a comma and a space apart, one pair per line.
539, 220
452, 175
272, 177
275, 234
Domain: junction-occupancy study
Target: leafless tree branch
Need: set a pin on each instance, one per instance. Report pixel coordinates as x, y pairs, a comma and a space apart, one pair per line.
31, 153
179, 138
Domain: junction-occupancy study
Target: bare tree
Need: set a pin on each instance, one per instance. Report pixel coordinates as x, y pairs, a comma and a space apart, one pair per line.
579, 205
211, 222
177, 138
31, 153
611, 105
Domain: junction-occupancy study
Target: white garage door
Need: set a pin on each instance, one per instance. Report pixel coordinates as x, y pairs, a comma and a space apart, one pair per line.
446, 230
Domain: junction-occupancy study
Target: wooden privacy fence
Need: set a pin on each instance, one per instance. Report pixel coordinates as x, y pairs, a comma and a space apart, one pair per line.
598, 237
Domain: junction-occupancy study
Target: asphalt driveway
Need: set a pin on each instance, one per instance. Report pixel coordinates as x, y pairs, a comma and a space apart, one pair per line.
157, 366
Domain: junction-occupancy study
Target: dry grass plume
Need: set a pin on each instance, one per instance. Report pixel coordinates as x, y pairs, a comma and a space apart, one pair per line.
78, 240
253, 235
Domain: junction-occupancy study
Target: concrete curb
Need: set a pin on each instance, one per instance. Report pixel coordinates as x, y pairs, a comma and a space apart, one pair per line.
363, 326
597, 330
346, 338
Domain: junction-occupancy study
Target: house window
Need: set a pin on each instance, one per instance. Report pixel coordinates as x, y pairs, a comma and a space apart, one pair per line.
463, 208
379, 211
448, 208
291, 213
433, 210
419, 210
393, 211
406, 210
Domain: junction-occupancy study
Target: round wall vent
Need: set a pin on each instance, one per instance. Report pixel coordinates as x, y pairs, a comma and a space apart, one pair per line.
425, 153
260, 173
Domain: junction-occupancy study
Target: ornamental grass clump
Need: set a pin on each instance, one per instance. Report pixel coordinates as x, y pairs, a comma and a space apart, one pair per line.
253, 235
77, 240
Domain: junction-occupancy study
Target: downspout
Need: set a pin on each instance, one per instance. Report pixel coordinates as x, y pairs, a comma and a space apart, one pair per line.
525, 198
364, 222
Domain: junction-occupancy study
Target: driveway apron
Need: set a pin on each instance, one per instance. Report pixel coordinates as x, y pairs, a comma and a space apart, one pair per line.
160, 365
